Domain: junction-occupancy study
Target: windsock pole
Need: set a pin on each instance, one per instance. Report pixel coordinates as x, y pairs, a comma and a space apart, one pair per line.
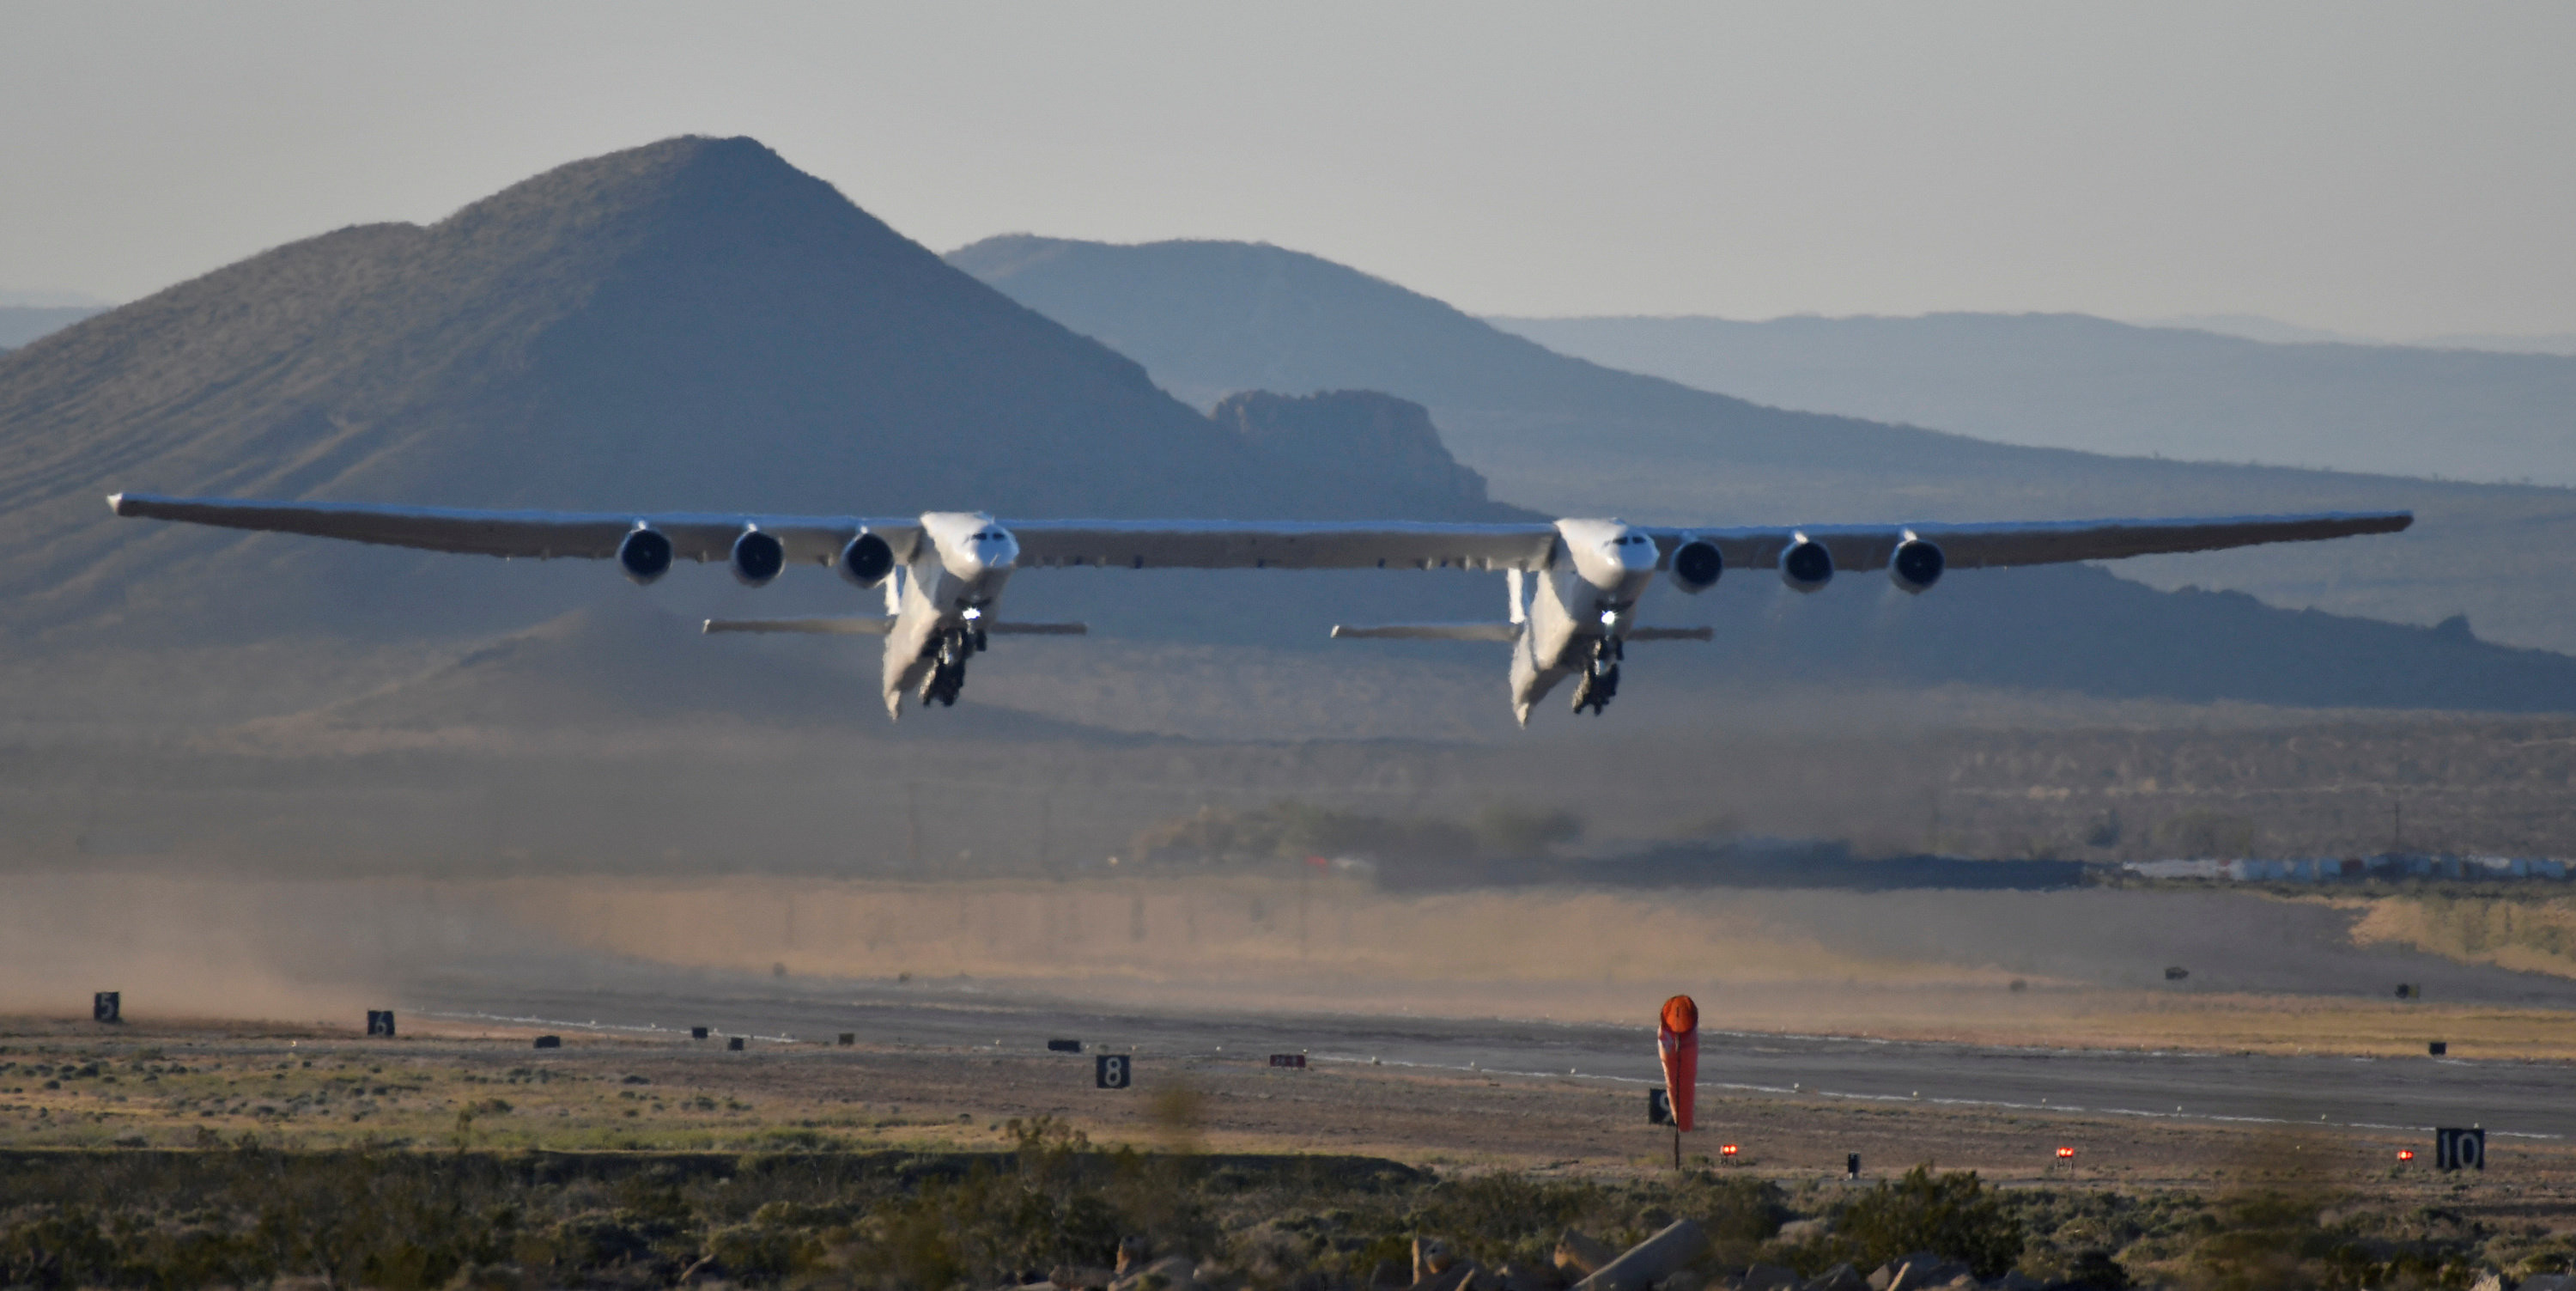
1677, 1043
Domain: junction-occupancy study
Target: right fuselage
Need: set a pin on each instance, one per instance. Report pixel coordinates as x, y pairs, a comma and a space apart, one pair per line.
949, 591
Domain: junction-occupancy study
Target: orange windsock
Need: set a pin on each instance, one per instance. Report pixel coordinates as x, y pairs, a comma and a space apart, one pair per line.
1677, 1039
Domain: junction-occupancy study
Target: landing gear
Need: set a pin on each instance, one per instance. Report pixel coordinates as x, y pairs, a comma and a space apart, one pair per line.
948, 653
1600, 682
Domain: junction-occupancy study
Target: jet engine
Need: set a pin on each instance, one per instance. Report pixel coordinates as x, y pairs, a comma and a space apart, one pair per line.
867, 560
1916, 566
1696, 566
1806, 566
645, 555
757, 558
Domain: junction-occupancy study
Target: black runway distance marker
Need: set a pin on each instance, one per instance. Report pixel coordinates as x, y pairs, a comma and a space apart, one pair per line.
2460, 1149
1113, 1071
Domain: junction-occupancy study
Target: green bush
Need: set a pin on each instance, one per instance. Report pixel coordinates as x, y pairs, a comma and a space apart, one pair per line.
1952, 1215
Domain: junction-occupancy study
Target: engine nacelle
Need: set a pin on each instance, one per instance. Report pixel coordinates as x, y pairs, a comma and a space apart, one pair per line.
867, 560
1916, 566
1697, 565
1806, 566
757, 558
644, 554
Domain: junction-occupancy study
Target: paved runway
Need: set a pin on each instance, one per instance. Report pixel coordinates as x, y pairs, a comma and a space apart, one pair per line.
2510, 1099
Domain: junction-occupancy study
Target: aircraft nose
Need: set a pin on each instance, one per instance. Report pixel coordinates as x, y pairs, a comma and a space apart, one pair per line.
987, 549
992, 549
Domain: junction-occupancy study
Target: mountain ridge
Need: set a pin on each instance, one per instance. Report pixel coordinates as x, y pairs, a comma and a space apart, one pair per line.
20, 324
1569, 436
2099, 385
693, 324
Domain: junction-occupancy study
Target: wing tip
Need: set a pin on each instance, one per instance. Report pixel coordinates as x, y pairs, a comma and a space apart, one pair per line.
116, 503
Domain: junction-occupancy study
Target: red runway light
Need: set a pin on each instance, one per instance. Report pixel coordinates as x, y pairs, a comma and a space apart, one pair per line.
2405, 1154
1726, 1149
2066, 1154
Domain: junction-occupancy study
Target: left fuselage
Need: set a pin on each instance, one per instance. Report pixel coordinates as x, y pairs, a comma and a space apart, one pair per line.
953, 583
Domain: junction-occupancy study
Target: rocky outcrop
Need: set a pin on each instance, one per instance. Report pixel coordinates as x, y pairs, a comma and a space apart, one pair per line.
1360, 433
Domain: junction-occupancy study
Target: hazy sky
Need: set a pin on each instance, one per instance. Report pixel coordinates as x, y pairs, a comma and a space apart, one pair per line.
2384, 169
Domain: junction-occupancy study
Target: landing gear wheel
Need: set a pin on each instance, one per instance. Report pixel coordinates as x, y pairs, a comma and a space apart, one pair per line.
1600, 683
948, 668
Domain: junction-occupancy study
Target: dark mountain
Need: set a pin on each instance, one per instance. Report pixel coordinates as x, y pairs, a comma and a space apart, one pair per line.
2069, 381
693, 324
20, 324
1572, 437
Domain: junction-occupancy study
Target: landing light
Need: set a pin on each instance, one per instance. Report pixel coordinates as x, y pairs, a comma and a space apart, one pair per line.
971, 614
1609, 618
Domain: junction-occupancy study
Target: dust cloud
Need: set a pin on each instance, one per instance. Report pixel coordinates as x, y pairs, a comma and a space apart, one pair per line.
301, 950
1325, 940
2075, 966
227, 947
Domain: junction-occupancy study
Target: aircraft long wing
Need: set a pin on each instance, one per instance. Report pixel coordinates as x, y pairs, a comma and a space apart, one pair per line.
1148, 544
541, 534
1212, 544
1974, 546
1219, 544
1140, 544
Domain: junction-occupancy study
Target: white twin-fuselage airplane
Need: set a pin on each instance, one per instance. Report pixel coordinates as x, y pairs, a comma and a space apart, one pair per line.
1573, 585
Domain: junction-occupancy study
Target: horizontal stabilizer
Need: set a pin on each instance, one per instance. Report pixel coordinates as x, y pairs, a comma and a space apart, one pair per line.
1505, 632
871, 627
876, 627
1433, 631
